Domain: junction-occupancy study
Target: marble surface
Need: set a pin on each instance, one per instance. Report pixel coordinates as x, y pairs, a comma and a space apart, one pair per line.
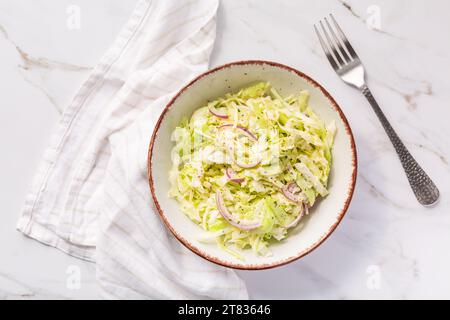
388, 246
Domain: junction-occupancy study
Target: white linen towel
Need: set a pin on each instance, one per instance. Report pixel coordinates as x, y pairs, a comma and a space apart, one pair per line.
91, 197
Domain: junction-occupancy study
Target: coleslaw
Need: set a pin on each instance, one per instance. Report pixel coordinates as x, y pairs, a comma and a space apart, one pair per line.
247, 167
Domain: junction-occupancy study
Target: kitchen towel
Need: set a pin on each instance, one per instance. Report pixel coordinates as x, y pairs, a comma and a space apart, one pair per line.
91, 198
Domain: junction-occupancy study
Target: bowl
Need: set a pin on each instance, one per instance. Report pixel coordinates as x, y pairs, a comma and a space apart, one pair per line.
324, 216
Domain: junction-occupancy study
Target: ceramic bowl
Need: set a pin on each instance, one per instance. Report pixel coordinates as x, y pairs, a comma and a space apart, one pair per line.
324, 216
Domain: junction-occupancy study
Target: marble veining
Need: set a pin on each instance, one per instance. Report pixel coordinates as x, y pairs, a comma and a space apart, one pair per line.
388, 246
29, 62
363, 20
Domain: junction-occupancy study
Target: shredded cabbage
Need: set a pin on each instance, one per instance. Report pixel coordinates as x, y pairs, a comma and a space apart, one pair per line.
267, 142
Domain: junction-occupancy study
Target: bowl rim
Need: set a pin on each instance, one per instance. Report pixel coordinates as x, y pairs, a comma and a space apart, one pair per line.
277, 263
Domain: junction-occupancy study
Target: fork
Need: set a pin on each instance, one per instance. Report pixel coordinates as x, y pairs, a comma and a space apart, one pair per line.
348, 66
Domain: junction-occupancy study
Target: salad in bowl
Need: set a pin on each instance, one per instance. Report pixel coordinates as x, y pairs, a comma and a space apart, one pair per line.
252, 165
247, 167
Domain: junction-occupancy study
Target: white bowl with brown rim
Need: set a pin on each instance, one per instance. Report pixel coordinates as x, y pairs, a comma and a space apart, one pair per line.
324, 216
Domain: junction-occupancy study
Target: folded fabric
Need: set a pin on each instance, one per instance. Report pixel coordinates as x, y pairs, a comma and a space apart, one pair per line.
91, 198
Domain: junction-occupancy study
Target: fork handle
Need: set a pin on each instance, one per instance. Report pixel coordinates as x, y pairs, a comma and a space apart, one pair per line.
424, 189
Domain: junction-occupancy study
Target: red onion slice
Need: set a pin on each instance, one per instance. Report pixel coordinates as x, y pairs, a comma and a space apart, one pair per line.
303, 211
241, 128
230, 174
240, 224
230, 147
247, 165
288, 191
217, 113
293, 187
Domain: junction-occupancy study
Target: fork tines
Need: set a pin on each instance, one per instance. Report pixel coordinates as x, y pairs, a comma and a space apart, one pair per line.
337, 48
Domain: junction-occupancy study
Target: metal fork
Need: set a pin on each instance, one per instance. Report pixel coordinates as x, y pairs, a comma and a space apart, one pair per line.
348, 66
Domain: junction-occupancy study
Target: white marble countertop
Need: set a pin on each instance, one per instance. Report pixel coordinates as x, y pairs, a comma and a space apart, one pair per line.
387, 246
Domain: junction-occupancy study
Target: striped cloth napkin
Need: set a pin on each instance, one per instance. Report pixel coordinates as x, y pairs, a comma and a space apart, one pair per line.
91, 198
